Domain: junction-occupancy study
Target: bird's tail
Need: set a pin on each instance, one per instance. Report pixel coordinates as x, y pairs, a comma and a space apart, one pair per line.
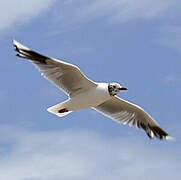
59, 109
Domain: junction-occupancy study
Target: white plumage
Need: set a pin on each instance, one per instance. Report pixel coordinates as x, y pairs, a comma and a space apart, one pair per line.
85, 93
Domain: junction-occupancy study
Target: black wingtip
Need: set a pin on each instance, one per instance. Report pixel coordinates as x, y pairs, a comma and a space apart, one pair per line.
159, 133
149, 135
16, 48
24, 52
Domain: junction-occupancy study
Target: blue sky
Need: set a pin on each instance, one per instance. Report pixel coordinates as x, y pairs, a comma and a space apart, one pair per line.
136, 43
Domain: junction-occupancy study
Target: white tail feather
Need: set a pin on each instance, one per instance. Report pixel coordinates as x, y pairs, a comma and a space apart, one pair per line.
56, 108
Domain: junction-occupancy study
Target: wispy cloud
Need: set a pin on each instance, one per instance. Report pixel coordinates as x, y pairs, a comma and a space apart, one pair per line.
73, 13
125, 10
18, 11
114, 11
80, 155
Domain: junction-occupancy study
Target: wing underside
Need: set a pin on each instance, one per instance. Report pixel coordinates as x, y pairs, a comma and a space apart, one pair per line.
64, 75
130, 114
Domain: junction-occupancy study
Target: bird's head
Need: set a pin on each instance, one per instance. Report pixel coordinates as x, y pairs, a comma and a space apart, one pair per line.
115, 88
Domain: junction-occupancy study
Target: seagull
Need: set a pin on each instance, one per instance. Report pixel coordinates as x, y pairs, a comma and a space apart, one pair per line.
84, 93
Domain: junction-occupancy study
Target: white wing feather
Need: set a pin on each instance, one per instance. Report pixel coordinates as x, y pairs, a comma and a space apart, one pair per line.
64, 75
127, 113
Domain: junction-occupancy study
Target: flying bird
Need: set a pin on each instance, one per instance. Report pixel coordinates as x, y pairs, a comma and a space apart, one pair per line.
84, 93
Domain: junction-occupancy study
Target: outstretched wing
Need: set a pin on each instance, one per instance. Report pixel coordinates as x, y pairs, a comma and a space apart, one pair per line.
66, 76
132, 115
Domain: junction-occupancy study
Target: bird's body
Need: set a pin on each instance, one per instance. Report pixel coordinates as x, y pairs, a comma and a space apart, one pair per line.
90, 98
84, 93
86, 99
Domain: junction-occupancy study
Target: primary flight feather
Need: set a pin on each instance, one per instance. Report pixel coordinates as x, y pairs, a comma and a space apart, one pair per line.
85, 93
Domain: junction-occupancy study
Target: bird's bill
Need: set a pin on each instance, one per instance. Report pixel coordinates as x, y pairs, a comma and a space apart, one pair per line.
123, 88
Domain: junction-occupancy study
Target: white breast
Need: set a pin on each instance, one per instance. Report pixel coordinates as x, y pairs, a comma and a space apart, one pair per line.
91, 98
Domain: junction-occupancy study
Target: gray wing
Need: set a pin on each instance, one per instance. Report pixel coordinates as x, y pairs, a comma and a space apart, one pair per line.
66, 76
132, 115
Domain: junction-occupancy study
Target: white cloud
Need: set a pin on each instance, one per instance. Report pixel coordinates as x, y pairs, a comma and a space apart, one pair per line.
73, 13
130, 9
115, 11
80, 155
20, 11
